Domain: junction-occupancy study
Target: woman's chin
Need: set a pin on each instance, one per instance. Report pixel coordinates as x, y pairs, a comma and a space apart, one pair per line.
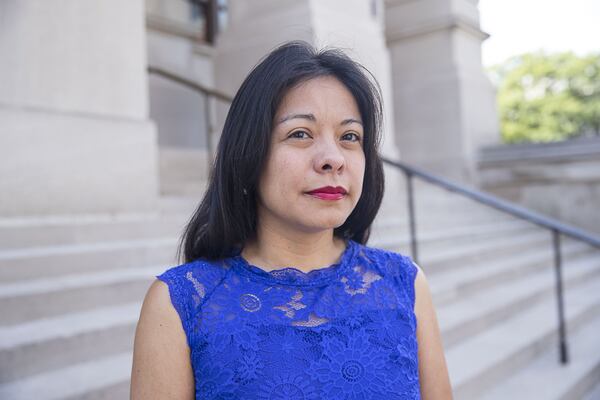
326, 223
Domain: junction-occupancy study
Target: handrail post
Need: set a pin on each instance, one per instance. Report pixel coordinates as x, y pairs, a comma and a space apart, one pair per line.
564, 355
411, 216
211, 19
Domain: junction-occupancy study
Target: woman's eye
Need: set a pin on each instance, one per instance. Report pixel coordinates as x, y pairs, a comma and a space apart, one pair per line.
298, 134
352, 135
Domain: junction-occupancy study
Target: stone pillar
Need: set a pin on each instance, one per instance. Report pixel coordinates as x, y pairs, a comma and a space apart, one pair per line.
444, 104
74, 130
256, 27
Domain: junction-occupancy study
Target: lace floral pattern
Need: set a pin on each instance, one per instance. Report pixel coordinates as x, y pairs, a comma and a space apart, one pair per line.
346, 331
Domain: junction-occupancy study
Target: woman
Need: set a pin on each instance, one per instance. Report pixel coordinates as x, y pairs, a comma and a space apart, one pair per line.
279, 297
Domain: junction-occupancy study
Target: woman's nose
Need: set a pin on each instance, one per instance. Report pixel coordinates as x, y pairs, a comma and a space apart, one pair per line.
329, 157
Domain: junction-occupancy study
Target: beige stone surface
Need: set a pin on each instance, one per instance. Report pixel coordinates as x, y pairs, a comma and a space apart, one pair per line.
444, 105
56, 163
73, 56
75, 135
561, 180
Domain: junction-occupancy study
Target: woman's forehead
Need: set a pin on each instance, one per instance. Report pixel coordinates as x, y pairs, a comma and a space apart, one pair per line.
317, 98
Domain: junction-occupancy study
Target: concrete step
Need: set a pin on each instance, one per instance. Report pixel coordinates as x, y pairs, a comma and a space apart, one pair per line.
487, 271
432, 241
47, 297
53, 343
449, 237
19, 336
386, 223
22, 233
479, 363
400, 223
545, 378
24, 263
450, 285
18, 233
472, 252
106, 378
40, 262
433, 219
594, 393
473, 313
59, 230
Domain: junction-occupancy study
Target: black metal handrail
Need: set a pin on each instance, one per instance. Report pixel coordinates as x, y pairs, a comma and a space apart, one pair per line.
204, 91
556, 227
190, 84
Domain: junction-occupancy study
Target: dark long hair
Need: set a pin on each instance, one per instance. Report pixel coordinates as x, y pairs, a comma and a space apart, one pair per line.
227, 217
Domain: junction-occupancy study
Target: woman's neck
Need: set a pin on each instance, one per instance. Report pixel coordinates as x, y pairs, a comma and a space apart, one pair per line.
273, 250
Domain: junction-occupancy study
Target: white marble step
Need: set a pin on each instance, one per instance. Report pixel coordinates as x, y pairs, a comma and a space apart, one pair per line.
16, 337
594, 393
8, 255
50, 343
455, 315
66, 282
449, 285
74, 381
39, 262
473, 313
25, 263
19, 233
401, 221
31, 299
545, 378
477, 364
445, 236
439, 214
452, 256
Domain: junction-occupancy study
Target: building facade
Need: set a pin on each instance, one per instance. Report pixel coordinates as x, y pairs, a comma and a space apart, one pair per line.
86, 129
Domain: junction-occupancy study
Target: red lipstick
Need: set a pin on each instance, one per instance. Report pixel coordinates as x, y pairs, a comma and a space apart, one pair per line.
328, 193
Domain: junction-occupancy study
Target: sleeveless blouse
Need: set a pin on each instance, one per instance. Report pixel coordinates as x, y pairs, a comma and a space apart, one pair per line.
345, 331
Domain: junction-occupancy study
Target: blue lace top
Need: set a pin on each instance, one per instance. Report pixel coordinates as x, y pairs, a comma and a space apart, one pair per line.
346, 331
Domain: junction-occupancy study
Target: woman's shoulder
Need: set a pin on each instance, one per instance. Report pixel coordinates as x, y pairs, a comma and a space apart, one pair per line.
389, 262
190, 284
393, 266
200, 269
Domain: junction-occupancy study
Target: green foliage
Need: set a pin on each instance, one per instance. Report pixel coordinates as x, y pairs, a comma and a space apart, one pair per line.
548, 97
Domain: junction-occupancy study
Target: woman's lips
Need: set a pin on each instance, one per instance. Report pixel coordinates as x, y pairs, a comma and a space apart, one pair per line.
328, 192
327, 196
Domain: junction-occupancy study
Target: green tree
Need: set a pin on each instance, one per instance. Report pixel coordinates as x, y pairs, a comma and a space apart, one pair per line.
548, 97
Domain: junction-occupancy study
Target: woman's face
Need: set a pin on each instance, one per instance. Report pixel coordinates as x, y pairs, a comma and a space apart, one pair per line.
316, 143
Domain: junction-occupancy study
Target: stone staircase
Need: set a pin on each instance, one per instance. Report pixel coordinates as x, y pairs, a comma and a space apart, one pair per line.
493, 284
71, 291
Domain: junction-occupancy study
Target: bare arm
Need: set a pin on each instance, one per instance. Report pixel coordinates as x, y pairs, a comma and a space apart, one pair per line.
161, 357
433, 373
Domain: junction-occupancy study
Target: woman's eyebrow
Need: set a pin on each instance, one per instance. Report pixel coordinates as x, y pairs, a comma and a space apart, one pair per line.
311, 117
349, 121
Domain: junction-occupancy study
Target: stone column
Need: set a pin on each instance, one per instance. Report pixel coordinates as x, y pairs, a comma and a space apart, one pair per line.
74, 130
256, 27
444, 104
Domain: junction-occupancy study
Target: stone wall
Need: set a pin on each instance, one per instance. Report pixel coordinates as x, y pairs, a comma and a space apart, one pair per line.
75, 135
561, 180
